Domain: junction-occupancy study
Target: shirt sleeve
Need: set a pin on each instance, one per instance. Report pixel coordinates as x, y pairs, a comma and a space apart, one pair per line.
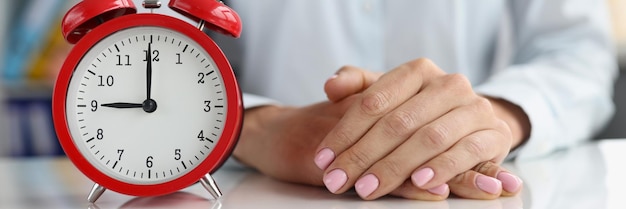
561, 74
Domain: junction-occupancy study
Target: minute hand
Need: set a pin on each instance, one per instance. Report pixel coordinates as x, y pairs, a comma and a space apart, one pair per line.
122, 105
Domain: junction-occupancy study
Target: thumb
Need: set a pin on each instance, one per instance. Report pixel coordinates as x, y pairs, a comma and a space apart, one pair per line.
347, 81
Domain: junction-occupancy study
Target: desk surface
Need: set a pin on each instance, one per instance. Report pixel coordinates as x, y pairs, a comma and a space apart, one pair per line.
588, 176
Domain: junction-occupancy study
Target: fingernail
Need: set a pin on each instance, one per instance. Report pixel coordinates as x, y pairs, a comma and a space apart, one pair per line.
510, 182
366, 185
333, 77
335, 180
439, 190
488, 184
323, 158
422, 176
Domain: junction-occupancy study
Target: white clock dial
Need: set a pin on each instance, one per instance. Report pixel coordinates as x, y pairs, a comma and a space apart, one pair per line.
138, 143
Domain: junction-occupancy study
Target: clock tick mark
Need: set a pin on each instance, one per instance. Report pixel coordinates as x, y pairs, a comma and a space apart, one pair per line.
83, 127
184, 166
94, 65
190, 162
207, 147
86, 78
81, 105
104, 54
197, 55
191, 52
122, 45
92, 73
185, 49
98, 59
102, 157
115, 164
92, 146
117, 48
97, 153
201, 61
108, 161
85, 134
89, 140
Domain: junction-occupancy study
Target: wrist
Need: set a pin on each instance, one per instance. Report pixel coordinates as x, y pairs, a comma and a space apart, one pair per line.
250, 143
515, 118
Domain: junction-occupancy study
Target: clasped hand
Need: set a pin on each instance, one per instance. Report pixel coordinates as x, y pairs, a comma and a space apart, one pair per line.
414, 132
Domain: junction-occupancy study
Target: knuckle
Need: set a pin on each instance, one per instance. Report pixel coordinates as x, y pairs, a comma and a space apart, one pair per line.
393, 168
434, 136
358, 158
341, 136
399, 123
456, 82
449, 162
476, 147
375, 103
484, 167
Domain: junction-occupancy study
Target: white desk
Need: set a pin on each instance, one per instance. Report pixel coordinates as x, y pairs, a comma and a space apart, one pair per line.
589, 176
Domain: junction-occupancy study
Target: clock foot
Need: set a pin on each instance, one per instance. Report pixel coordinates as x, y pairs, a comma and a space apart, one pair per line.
95, 193
209, 184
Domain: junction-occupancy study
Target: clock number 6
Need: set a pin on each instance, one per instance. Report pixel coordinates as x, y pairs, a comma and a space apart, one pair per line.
149, 162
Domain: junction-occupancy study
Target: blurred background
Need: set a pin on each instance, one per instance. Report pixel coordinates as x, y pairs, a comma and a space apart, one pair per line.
32, 51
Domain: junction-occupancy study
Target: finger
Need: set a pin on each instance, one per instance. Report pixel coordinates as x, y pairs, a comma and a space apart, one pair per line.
474, 185
409, 191
427, 143
393, 129
347, 81
511, 184
383, 96
485, 145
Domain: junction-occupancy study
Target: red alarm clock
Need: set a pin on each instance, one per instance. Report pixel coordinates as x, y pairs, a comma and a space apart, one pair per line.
147, 104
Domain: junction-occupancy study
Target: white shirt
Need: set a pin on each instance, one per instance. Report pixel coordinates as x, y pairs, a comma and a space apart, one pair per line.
553, 58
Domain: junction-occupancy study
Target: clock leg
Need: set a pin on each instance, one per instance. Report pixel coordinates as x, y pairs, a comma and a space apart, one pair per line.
209, 184
95, 193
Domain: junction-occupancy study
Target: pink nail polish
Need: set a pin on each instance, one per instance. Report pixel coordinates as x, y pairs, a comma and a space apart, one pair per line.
366, 185
335, 180
510, 182
488, 184
439, 190
423, 176
332, 77
323, 158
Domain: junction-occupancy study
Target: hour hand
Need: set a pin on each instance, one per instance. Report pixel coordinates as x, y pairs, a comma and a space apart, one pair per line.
122, 105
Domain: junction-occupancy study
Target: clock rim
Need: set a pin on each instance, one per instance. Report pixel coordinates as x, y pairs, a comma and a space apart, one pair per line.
214, 160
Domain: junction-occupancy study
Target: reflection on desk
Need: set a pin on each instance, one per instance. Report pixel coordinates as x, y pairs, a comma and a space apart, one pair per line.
587, 176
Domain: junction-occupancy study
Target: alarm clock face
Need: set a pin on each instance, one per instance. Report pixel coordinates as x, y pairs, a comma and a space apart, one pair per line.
146, 105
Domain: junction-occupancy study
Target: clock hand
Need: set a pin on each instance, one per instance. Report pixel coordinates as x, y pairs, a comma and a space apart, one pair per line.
149, 72
122, 105
149, 105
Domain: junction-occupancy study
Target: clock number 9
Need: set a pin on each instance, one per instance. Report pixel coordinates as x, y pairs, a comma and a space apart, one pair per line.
149, 161
94, 105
